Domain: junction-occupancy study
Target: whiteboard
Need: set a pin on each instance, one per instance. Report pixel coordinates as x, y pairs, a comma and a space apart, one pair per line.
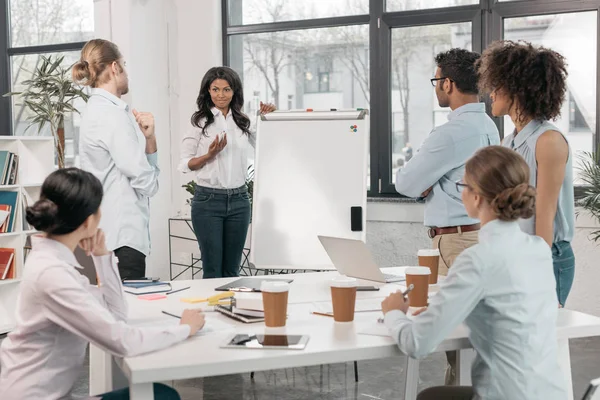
310, 169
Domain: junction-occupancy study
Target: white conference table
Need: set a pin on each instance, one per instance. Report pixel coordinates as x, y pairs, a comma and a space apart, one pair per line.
330, 342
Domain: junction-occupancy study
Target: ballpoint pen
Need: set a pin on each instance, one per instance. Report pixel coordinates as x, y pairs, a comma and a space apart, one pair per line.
178, 290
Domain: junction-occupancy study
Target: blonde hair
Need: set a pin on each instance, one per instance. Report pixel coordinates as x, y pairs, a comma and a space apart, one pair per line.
96, 57
501, 176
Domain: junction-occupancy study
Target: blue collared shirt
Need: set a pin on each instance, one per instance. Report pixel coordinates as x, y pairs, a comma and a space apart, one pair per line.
113, 148
440, 163
504, 290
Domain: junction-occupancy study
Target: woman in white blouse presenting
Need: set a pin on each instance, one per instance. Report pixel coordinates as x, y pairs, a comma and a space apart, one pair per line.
216, 149
59, 312
503, 288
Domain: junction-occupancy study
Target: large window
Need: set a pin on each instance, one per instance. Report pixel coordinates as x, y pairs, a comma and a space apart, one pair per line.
35, 28
380, 54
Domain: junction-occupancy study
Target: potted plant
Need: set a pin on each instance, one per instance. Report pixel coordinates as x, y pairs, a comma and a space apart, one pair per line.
49, 95
589, 173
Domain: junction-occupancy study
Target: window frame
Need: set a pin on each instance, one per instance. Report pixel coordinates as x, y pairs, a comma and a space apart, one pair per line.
6, 52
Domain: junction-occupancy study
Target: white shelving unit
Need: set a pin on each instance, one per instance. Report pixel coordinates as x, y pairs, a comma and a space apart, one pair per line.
36, 162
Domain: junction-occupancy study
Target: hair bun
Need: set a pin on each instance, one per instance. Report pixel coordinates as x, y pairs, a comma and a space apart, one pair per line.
514, 203
43, 215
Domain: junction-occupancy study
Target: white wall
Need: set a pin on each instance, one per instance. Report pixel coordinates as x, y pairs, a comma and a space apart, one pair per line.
168, 46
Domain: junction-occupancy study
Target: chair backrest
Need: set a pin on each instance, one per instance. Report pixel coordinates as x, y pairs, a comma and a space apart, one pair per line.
592, 392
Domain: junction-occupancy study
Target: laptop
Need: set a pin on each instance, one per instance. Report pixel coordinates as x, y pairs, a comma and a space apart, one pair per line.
353, 258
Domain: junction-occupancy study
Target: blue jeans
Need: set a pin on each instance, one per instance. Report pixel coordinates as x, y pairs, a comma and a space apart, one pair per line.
161, 392
220, 218
564, 269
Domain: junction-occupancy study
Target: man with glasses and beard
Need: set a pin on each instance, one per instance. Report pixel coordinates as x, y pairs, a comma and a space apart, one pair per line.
433, 171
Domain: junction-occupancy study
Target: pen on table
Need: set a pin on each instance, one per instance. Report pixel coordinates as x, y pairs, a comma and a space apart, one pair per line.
407, 291
178, 290
171, 315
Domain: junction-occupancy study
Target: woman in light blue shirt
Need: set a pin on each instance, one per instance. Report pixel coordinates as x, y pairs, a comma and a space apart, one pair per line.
502, 288
529, 84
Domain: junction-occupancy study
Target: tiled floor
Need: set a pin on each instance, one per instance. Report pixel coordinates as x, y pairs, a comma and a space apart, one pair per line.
379, 379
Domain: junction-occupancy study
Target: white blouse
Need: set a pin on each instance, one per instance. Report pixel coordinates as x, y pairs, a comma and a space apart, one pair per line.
228, 169
58, 314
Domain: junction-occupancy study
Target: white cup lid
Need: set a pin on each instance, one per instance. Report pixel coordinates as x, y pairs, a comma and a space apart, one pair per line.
274, 286
343, 282
418, 271
428, 252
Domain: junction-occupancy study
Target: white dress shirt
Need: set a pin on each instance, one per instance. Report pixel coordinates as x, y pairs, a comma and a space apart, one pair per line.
229, 168
113, 148
58, 313
504, 290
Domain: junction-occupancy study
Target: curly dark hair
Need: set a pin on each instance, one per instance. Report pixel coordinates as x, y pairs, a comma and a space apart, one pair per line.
459, 66
533, 76
205, 104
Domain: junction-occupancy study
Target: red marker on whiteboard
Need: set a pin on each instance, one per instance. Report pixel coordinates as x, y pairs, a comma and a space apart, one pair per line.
309, 109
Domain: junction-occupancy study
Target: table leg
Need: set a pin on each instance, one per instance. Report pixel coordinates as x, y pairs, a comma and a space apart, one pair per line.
412, 379
100, 371
464, 363
105, 374
564, 360
141, 391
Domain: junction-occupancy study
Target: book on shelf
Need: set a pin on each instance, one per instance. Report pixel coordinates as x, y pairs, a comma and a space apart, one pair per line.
25, 201
27, 247
14, 166
7, 263
9, 199
9, 166
4, 217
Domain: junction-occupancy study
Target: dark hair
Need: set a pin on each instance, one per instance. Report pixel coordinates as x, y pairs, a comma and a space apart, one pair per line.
501, 176
96, 57
534, 76
205, 103
459, 66
69, 196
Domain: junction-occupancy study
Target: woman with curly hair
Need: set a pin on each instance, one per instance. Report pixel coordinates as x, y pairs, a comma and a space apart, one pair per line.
528, 83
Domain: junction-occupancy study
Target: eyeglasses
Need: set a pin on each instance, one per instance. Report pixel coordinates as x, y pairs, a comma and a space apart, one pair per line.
434, 80
460, 186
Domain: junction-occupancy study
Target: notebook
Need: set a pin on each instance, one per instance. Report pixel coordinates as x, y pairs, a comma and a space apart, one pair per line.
225, 310
247, 285
147, 288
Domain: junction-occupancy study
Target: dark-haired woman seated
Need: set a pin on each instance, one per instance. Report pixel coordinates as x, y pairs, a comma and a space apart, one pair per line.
529, 84
59, 312
216, 149
502, 288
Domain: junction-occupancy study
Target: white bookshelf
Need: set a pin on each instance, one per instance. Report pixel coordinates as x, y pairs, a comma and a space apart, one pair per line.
36, 162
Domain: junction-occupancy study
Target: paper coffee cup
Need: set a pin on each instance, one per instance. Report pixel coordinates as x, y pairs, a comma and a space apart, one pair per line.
275, 301
419, 277
430, 258
343, 298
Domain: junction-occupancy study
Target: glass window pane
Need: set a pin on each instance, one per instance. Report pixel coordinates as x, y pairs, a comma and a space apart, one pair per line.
317, 68
415, 110
21, 67
407, 5
242, 12
574, 36
40, 22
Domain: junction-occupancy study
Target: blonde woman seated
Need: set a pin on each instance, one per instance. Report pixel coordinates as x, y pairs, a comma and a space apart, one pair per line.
502, 288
